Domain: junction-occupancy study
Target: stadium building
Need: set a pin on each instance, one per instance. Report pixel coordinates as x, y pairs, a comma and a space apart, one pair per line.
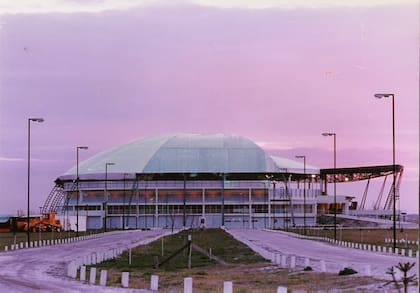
190, 180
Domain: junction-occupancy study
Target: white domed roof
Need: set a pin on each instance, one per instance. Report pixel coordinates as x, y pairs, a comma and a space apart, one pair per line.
182, 153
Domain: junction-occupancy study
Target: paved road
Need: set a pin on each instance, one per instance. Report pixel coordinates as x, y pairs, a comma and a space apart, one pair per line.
43, 269
335, 257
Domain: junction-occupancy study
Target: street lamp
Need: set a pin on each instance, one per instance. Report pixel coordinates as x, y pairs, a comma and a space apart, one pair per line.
77, 182
304, 191
335, 187
394, 211
106, 193
29, 168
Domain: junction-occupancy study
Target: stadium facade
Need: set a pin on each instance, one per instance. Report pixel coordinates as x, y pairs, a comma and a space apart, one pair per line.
187, 180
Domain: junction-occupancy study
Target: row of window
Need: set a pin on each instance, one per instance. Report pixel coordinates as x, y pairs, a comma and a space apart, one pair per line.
198, 209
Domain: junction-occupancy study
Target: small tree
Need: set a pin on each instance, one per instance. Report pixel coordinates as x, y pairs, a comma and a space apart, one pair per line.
406, 279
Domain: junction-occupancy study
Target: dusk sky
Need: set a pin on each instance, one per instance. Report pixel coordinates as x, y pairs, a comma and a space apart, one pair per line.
104, 73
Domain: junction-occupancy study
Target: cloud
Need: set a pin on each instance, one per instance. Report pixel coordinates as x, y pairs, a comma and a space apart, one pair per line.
66, 6
293, 4
95, 6
6, 159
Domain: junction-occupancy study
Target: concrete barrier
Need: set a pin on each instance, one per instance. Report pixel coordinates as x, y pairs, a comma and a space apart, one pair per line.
154, 283
125, 279
83, 273
292, 262
227, 287
92, 276
323, 266
283, 262
307, 262
281, 289
278, 259
72, 270
103, 277
6, 248
188, 285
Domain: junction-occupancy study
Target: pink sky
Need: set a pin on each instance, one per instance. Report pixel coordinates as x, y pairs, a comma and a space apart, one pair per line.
278, 76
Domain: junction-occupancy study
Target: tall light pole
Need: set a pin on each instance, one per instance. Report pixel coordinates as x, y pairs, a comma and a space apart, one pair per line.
77, 182
335, 187
304, 191
29, 171
106, 193
394, 209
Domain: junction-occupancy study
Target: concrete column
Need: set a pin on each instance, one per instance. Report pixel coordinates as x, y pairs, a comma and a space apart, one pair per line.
156, 207
281, 289
6, 248
188, 285
203, 202
154, 283
227, 287
307, 262
125, 279
368, 270
92, 276
250, 208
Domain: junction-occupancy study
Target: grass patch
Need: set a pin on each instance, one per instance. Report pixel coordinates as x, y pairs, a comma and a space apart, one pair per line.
221, 244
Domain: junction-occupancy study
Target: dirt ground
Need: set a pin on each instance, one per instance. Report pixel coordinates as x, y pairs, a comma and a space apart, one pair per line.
258, 278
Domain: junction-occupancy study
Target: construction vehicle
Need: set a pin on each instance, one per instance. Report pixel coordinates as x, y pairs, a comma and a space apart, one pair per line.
45, 223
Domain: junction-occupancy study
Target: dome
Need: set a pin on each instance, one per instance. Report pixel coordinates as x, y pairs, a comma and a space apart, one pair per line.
182, 153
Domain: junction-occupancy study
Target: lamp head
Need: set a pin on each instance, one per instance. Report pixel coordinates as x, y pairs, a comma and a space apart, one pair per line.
328, 134
83, 147
300, 157
37, 119
109, 164
382, 95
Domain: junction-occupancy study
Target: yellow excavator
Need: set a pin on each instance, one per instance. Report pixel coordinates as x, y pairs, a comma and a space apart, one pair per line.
47, 222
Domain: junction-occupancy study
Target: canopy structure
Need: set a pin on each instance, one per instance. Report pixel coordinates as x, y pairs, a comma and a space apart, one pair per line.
359, 173
173, 156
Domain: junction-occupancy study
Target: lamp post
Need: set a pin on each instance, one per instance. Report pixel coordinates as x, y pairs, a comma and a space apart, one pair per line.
77, 182
304, 192
106, 193
335, 187
394, 211
29, 170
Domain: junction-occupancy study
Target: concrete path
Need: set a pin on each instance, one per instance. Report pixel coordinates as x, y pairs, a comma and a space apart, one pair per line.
43, 269
335, 257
